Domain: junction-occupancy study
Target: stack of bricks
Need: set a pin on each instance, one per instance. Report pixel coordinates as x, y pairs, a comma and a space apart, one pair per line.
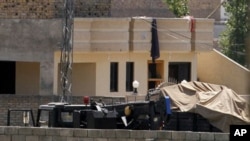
74, 134
47, 9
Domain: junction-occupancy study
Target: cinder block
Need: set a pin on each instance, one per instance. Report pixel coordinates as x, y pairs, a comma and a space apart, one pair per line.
5, 137
122, 133
32, 138
221, 136
125, 139
149, 134
164, 135
72, 139
45, 138
86, 139
101, 139
206, 136
52, 132
192, 136
178, 135
18, 138
136, 134
80, 133
11, 130
108, 133
94, 133
66, 132
39, 131
58, 138
25, 131
1, 130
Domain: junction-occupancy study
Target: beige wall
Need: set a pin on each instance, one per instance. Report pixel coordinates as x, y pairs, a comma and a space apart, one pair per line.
83, 79
214, 67
83, 84
27, 78
103, 40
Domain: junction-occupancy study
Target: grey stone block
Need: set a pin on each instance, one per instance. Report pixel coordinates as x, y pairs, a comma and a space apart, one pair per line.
72, 139
221, 137
11, 130
179, 135
86, 139
122, 133
45, 138
80, 133
149, 134
164, 134
206, 136
1, 130
5, 138
58, 138
100, 139
124, 139
25, 131
52, 132
192, 136
66, 132
94, 133
39, 131
18, 138
136, 134
32, 138
108, 133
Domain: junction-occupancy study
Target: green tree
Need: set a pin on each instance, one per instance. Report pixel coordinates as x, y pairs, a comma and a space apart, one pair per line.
178, 7
232, 39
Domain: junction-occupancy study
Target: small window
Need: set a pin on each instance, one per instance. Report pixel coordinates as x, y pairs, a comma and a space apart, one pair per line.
179, 71
129, 76
113, 77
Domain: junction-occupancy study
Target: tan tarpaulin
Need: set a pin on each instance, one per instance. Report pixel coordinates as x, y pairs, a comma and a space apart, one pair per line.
219, 104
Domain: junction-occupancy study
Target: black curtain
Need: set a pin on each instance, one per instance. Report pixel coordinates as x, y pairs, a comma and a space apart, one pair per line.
155, 50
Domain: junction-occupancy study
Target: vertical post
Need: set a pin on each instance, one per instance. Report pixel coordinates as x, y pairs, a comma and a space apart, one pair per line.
67, 52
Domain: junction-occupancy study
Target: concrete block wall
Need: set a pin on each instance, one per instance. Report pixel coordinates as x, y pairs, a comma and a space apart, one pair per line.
70, 134
46, 9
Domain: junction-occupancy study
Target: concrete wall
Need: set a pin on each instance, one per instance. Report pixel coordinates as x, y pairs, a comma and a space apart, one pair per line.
57, 134
30, 40
214, 67
27, 78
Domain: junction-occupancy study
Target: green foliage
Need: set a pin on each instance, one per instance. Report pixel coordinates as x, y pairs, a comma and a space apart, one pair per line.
233, 38
178, 7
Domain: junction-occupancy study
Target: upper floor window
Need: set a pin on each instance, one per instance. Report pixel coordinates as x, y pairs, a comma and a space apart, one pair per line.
179, 71
113, 76
129, 76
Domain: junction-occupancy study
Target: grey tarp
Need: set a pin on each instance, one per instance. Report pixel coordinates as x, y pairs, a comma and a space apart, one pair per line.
217, 103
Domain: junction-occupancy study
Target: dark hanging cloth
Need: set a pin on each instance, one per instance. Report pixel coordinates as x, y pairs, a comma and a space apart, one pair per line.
155, 50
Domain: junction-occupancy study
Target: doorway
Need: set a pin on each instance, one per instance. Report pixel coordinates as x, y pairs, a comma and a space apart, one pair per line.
7, 77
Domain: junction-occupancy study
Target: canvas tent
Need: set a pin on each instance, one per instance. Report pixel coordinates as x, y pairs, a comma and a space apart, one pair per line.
217, 103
